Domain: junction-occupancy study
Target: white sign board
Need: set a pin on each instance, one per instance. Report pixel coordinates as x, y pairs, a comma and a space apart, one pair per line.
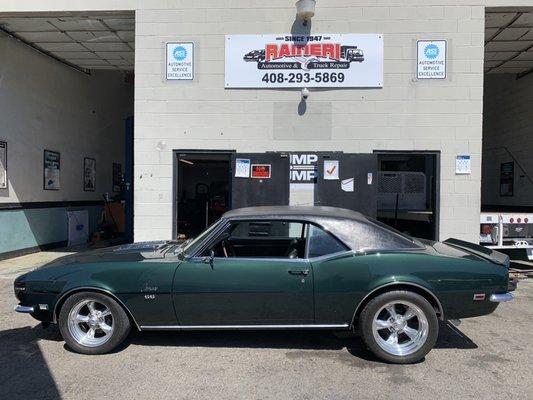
431, 59
463, 165
242, 168
331, 170
297, 61
347, 185
180, 61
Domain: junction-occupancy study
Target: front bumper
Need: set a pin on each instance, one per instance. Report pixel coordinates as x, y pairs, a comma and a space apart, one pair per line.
501, 297
24, 309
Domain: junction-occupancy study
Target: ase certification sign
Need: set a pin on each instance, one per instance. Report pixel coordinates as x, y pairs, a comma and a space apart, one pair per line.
431, 59
297, 61
180, 61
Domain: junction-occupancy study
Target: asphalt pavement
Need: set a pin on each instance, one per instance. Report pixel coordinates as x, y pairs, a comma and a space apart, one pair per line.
489, 357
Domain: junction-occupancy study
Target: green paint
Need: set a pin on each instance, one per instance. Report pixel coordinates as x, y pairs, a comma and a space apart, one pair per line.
22, 229
262, 291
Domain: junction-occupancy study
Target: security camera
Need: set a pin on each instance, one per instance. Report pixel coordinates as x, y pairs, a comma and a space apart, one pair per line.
305, 94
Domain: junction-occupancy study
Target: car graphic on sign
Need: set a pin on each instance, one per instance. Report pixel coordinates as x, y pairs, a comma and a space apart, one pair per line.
255, 55
352, 53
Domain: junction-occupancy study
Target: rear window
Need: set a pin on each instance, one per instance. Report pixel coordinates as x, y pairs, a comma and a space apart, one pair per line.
374, 237
370, 235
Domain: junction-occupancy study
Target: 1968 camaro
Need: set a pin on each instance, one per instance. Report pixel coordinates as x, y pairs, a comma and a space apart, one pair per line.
272, 268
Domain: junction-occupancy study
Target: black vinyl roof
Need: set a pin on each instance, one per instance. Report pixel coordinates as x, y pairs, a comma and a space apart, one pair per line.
354, 229
294, 211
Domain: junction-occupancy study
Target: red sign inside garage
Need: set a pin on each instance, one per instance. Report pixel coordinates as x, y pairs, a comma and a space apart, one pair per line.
261, 171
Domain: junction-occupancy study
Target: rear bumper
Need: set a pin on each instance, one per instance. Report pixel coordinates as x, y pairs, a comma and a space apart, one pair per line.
501, 297
24, 309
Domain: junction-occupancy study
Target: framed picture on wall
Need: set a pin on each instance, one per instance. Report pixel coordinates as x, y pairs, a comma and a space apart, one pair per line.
3, 165
507, 179
52, 169
117, 177
89, 174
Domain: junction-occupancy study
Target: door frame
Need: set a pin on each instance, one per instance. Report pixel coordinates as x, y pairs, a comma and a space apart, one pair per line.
128, 177
175, 169
436, 200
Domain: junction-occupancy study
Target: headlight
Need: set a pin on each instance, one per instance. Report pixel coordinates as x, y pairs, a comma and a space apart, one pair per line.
19, 286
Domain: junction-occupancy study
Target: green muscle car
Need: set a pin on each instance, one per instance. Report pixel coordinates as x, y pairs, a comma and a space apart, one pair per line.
272, 268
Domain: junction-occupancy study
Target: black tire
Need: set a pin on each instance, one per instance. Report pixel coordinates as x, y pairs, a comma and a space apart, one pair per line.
376, 304
120, 321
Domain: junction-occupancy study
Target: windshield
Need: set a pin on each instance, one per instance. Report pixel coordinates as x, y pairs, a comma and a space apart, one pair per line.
192, 244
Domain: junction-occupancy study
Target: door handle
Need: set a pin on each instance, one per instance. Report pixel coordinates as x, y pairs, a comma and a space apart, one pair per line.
303, 272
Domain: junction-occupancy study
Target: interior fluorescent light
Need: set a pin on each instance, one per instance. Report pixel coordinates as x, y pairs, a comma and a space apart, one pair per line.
186, 161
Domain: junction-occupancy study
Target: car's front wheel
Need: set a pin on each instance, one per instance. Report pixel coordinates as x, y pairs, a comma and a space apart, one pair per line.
399, 326
93, 323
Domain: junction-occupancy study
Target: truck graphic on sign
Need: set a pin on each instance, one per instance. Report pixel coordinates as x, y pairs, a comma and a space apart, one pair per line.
306, 54
352, 53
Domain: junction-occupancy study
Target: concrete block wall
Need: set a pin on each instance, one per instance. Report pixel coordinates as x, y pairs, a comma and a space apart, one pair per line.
507, 130
405, 115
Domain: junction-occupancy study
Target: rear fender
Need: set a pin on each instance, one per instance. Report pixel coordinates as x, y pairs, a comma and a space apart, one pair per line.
411, 283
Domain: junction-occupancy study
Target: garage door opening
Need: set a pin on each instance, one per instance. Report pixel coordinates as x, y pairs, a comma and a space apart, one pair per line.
202, 190
66, 105
407, 192
507, 167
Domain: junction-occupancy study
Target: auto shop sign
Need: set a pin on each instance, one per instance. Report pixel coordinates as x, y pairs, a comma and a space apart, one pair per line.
180, 61
431, 59
297, 61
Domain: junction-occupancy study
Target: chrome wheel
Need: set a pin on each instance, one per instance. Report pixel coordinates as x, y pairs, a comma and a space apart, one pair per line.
400, 328
90, 323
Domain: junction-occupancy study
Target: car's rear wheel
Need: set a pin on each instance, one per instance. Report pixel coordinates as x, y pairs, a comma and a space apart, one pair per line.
399, 326
93, 323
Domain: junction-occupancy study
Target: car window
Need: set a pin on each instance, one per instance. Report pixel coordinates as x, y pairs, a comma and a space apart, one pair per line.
322, 243
366, 235
261, 239
279, 229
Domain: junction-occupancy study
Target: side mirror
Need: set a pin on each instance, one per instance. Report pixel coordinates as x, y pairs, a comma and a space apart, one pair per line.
210, 258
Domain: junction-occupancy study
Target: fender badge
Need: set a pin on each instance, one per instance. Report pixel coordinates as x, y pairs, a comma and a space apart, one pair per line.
149, 296
479, 296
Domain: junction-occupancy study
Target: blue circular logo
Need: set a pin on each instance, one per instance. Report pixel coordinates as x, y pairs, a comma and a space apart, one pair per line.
180, 53
431, 51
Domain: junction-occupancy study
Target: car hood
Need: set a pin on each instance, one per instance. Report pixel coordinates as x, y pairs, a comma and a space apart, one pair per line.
134, 252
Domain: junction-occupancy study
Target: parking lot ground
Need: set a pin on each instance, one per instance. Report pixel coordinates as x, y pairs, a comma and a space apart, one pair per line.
485, 358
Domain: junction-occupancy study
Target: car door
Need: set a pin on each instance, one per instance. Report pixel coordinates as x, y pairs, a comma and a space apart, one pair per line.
341, 277
253, 290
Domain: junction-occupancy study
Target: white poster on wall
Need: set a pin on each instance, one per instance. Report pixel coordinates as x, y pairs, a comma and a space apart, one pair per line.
180, 61
242, 168
331, 170
431, 59
52, 168
297, 61
463, 164
3, 165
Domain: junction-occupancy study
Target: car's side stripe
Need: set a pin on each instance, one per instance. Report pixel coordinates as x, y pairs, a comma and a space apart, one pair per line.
242, 327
